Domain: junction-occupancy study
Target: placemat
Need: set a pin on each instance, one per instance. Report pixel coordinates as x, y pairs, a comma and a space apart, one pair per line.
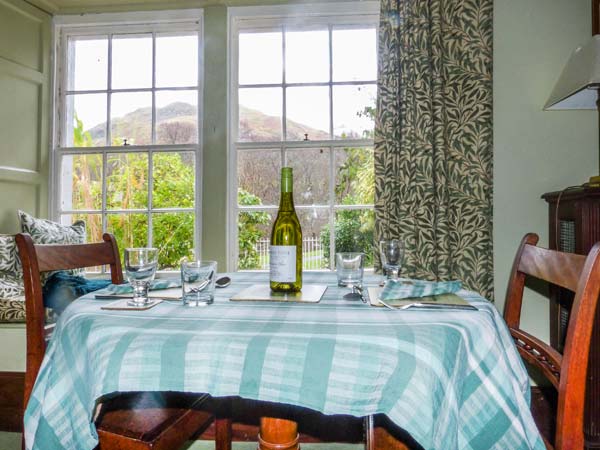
311, 293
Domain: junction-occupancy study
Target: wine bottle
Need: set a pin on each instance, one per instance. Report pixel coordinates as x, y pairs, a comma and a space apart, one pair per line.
286, 241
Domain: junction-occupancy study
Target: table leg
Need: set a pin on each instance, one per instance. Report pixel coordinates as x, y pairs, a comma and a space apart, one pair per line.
278, 434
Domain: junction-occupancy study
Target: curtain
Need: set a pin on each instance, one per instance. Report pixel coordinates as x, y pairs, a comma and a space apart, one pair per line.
433, 138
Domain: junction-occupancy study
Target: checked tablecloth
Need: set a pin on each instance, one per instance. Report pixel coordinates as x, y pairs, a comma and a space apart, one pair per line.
452, 379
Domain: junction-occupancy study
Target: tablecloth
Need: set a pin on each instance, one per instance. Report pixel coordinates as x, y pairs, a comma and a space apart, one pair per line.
452, 379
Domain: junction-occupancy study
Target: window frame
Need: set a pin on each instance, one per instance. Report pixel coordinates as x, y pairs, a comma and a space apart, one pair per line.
278, 18
154, 22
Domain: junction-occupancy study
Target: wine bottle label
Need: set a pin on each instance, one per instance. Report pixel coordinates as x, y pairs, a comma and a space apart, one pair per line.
283, 263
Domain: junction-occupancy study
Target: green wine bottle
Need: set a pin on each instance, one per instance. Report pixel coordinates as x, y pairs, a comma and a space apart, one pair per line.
286, 241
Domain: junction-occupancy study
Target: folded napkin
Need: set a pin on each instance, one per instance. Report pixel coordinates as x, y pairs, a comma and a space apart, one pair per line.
397, 289
155, 285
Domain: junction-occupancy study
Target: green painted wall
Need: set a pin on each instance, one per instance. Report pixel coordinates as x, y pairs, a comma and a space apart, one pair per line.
24, 119
24, 87
535, 151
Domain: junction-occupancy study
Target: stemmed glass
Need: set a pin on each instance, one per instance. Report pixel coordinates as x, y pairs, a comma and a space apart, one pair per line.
140, 267
392, 254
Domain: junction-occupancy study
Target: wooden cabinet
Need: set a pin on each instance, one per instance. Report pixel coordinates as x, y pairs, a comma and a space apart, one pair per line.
574, 219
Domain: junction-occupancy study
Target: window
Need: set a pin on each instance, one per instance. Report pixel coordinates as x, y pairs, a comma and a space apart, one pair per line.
303, 95
127, 126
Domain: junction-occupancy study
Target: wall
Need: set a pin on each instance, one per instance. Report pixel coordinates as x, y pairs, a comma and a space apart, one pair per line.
535, 151
24, 88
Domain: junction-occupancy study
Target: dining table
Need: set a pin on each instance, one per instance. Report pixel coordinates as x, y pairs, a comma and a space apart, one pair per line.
451, 378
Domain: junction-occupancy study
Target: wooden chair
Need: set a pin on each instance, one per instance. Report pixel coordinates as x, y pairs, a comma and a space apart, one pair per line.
129, 421
566, 372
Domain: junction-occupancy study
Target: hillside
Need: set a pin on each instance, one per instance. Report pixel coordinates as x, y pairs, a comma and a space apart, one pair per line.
175, 124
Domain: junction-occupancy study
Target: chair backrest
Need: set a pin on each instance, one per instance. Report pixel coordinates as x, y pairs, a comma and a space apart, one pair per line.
44, 258
566, 372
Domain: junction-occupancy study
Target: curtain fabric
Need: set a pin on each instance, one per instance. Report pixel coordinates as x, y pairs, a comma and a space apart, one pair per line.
433, 138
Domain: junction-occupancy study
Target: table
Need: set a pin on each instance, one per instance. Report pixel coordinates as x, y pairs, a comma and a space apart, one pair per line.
452, 379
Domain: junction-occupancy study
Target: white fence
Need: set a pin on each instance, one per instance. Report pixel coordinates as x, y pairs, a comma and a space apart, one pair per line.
312, 250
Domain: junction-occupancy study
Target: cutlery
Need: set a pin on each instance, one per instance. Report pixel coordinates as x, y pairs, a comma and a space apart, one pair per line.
223, 282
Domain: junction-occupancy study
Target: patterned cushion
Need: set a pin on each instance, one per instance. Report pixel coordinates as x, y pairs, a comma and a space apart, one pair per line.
12, 310
11, 272
9, 255
44, 231
11, 286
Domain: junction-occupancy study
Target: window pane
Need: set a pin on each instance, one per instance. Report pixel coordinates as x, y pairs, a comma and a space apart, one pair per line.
354, 233
127, 181
254, 235
85, 120
173, 180
353, 111
259, 173
311, 175
306, 56
81, 182
93, 224
314, 223
130, 230
354, 176
89, 62
354, 54
131, 118
260, 114
177, 117
307, 113
93, 228
260, 58
132, 61
173, 235
177, 61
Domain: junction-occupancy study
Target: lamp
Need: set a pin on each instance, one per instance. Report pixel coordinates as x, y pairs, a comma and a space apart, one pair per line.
579, 84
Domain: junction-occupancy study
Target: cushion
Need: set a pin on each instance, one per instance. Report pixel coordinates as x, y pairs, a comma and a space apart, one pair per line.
11, 286
12, 310
11, 272
9, 255
62, 288
44, 231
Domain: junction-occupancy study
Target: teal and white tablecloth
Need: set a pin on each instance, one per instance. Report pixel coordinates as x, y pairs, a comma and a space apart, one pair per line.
452, 379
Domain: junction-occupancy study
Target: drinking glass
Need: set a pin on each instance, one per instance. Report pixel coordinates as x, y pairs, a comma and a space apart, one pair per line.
350, 267
392, 254
140, 267
198, 282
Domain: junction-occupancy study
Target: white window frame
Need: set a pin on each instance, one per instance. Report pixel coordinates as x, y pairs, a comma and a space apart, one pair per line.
153, 22
259, 18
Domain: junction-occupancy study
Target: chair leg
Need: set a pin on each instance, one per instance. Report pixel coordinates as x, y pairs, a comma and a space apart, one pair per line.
369, 433
223, 433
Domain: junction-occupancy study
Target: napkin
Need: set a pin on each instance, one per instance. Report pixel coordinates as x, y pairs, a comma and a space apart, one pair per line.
397, 289
155, 285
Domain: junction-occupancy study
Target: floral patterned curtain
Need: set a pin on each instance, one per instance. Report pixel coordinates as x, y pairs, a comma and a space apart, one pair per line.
433, 138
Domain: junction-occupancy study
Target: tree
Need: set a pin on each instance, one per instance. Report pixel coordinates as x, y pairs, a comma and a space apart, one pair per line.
176, 132
249, 231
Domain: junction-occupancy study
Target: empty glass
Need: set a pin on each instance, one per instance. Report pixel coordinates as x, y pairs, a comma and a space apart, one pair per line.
198, 282
140, 267
350, 268
392, 254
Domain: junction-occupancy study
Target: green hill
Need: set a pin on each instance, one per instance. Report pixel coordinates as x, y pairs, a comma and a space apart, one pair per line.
176, 124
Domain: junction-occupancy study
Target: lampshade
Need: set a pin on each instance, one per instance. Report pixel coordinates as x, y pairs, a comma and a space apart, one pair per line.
577, 87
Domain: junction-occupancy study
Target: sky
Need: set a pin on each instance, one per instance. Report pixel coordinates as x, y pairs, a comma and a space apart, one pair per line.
261, 62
